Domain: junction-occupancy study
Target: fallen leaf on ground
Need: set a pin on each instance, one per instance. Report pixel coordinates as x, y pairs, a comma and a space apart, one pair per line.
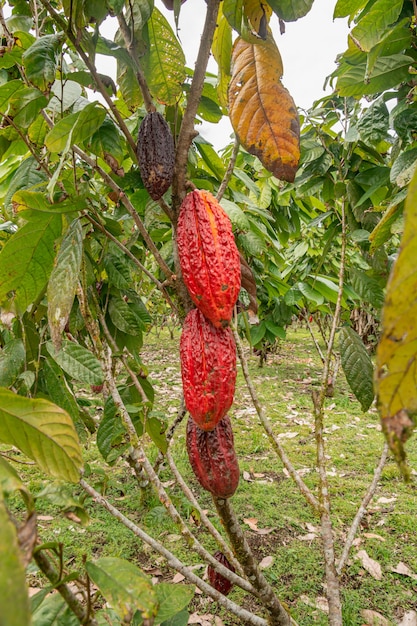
404, 570
266, 562
384, 500
319, 603
178, 578
372, 567
373, 536
247, 477
218, 621
409, 619
203, 620
45, 518
373, 618
289, 435
307, 537
252, 522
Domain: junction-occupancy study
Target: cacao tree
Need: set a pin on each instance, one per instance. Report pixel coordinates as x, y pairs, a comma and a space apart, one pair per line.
115, 212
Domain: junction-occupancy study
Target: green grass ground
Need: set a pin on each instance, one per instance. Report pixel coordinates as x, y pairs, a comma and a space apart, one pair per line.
265, 493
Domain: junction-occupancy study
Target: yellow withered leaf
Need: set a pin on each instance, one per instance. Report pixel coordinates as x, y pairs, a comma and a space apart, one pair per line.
261, 110
258, 14
396, 359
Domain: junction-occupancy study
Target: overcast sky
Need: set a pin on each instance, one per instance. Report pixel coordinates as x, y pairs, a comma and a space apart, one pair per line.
308, 48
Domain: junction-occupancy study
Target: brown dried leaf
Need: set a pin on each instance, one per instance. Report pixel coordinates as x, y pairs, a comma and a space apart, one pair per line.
262, 112
373, 618
404, 570
373, 536
266, 562
252, 522
372, 567
319, 603
178, 578
409, 619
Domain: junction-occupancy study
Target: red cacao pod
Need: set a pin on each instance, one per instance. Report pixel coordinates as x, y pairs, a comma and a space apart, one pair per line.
156, 154
208, 369
208, 256
218, 581
213, 458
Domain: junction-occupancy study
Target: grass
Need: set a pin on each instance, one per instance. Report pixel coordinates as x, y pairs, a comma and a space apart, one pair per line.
265, 493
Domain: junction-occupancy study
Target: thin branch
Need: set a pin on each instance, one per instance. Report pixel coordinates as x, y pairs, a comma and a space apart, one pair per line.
332, 580
229, 171
129, 40
173, 561
52, 575
278, 614
136, 261
7, 34
92, 69
362, 509
187, 131
130, 208
309, 496
316, 343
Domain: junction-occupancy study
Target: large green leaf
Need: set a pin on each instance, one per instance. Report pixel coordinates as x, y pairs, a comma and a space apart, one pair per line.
124, 317
54, 611
374, 123
117, 270
396, 361
63, 282
107, 141
371, 27
12, 358
164, 60
58, 390
40, 60
236, 214
75, 128
78, 362
290, 10
387, 72
357, 366
8, 90
124, 586
367, 288
25, 105
27, 259
222, 52
403, 167
13, 592
345, 8
111, 433
42, 431
172, 599
27, 175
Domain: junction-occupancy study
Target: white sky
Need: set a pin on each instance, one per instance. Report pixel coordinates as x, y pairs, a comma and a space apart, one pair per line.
308, 48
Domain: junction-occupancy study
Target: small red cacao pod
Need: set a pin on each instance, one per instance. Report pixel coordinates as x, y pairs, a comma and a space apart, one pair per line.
208, 256
156, 154
219, 582
213, 457
208, 369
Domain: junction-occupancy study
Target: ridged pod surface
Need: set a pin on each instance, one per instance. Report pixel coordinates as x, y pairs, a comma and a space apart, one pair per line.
208, 256
208, 369
213, 458
218, 581
156, 154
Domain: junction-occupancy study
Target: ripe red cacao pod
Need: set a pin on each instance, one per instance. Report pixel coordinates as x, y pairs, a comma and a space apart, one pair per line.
156, 154
213, 457
208, 369
208, 256
218, 581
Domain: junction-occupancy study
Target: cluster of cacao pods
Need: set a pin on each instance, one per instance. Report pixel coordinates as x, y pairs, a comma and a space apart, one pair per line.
210, 266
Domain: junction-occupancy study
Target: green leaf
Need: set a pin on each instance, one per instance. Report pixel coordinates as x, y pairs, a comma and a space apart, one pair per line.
156, 430
236, 214
27, 202
382, 231
27, 175
387, 72
40, 60
357, 366
403, 168
163, 61
13, 592
75, 128
63, 282
257, 333
107, 140
367, 288
345, 8
396, 378
275, 329
172, 600
117, 270
66, 93
124, 586
180, 619
125, 318
42, 431
54, 611
58, 390
25, 105
210, 157
310, 294
78, 362
372, 26
12, 358
27, 259
373, 125
291, 10
111, 433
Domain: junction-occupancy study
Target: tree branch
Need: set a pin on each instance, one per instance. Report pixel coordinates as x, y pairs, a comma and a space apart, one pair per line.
186, 133
176, 564
229, 171
362, 509
309, 496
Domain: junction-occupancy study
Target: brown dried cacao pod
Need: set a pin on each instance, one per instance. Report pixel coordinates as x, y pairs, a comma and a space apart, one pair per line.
208, 256
208, 369
218, 581
156, 154
213, 458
